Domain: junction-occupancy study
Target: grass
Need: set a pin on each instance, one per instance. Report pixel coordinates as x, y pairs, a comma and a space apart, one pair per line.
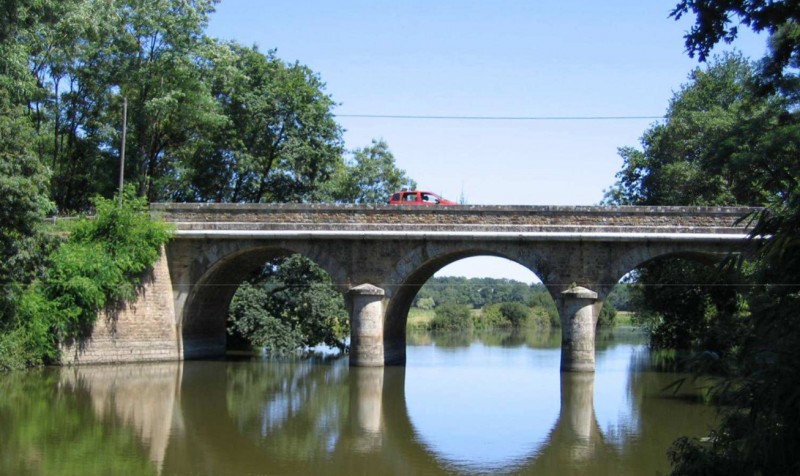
420, 318
624, 318
60, 226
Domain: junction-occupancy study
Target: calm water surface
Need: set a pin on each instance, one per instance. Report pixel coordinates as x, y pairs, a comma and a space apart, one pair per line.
491, 404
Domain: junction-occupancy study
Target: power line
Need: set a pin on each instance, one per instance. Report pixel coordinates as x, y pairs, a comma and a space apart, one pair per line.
401, 285
499, 118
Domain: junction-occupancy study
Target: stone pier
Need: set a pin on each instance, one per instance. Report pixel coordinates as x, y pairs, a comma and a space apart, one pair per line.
578, 323
366, 326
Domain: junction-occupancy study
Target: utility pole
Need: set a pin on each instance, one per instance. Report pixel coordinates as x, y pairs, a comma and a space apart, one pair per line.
122, 152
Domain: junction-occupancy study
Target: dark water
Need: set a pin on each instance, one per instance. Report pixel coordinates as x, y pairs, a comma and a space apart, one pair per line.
495, 404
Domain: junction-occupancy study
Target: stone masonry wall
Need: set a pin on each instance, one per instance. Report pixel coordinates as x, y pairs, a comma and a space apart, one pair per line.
144, 330
205, 216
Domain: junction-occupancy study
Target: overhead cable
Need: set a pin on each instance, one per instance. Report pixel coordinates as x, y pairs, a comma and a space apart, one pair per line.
499, 118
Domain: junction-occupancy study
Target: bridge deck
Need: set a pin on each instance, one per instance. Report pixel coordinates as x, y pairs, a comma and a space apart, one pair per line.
510, 222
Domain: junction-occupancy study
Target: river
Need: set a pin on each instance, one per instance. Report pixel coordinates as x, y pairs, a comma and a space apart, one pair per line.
464, 404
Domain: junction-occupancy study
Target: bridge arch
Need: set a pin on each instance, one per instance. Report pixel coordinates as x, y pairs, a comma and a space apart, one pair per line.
212, 278
638, 256
420, 264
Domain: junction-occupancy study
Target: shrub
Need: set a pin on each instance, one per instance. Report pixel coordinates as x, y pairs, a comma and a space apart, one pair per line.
101, 263
452, 317
515, 313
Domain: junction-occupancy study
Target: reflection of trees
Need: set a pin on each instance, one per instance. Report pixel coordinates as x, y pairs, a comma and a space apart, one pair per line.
658, 417
300, 418
531, 337
52, 426
301, 400
453, 340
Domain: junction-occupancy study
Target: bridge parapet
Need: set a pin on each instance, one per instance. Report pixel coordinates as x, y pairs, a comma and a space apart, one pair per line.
473, 218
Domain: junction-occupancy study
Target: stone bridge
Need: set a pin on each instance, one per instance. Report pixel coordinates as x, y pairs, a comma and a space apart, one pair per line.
379, 257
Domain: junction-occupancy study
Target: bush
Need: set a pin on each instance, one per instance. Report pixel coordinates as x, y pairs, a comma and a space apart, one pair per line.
426, 303
452, 317
100, 264
608, 315
490, 317
515, 313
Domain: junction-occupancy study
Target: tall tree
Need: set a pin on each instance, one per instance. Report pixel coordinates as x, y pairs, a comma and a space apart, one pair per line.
370, 176
279, 142
710, 148
708, 151
715, 22
760, 429
156, 64
91, 55
23, 178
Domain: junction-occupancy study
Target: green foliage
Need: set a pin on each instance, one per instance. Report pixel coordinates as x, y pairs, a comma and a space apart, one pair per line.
508, 314
452, 317
289, 306
608, 315
759, 432
684, 315
371, 176
101, 264
714, 22
544, 307
491, 317
710, 148
516, 313
479, 292
23, 186
625, 296
502, 300
278, 142
426, 303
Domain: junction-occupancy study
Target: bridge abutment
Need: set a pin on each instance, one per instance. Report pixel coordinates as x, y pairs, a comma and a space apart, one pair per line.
578, 323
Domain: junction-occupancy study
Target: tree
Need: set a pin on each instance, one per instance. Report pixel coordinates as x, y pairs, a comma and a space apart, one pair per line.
23, 178
289, 306
780, 19
279, 141
371, 176
708, 151
88, 56
23, 186
759, 432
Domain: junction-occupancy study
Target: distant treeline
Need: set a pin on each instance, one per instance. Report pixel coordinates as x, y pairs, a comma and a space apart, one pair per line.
481, 292
488, 293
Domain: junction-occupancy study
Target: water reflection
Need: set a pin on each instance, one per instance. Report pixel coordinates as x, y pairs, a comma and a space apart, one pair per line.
489, 406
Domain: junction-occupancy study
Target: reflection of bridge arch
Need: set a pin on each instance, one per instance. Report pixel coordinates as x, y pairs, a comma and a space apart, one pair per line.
189, 419
378, 433
229, 418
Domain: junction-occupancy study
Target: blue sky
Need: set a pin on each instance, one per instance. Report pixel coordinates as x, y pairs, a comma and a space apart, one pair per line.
508, 58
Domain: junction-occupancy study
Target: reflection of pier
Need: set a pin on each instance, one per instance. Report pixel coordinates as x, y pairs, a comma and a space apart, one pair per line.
231, 418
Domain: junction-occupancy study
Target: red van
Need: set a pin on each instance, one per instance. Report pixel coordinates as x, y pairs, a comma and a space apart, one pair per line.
416, 197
